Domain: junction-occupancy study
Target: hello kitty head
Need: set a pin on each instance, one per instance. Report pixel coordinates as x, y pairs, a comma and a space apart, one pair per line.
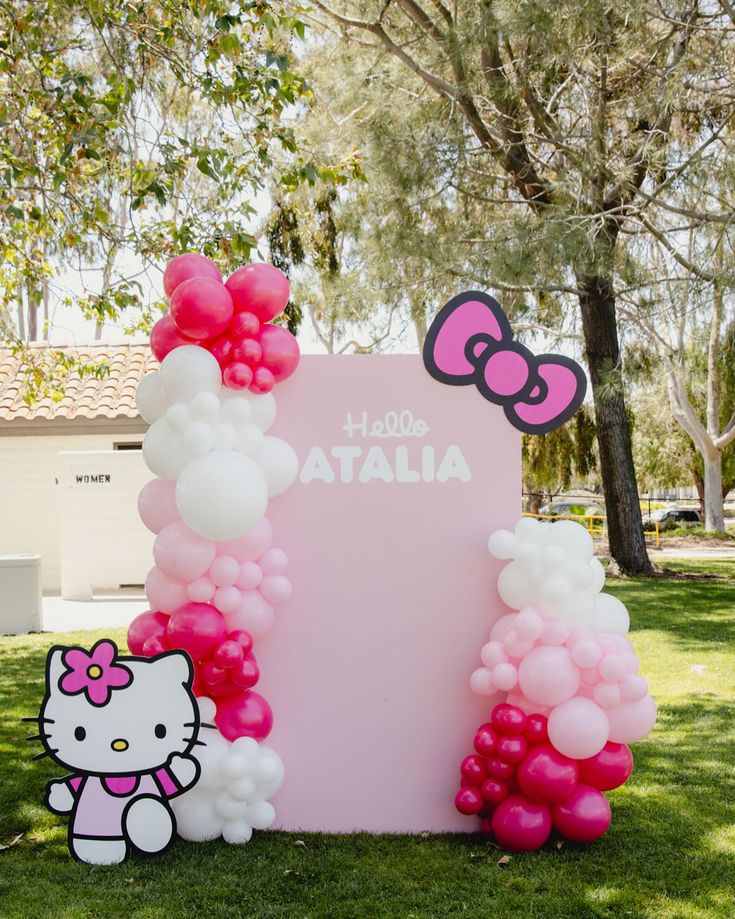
105, 714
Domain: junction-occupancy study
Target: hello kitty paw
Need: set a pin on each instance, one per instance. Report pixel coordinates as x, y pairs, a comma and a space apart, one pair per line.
184, 769
59, 797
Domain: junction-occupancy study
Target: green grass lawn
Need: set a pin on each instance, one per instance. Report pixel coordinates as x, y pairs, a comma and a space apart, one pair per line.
669, 854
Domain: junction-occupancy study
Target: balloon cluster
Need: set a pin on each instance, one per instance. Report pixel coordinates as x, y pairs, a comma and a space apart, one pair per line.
563, 657
522, 787
231, 797
231, 320
217, 577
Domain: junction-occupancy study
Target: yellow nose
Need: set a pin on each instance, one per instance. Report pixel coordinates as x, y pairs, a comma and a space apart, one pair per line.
119, 744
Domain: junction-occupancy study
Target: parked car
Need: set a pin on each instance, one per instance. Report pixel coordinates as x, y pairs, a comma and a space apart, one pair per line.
669, 518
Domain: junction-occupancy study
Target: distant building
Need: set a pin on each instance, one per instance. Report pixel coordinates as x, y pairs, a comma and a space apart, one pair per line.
70, 473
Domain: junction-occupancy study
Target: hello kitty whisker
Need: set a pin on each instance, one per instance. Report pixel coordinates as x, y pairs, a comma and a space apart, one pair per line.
191, 740
193, 724
35, 737
44, 753
38, 719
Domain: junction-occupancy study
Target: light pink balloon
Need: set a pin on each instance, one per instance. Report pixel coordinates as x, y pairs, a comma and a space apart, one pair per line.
548, 675
505, 676
502, 627
481, 682
250, 576
255, 615
251, 546
228, 599
224, 571
578, 728
530, 708
633, 688
493, 653
157, 504
555, 631
516, 646
612, 667
586, 653
181, 554
276, 588
631, 721
164, 594
529, 625
273, 561
607, 694
201, 590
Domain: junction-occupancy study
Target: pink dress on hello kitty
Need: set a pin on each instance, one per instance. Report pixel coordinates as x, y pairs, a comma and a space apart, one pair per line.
101, 801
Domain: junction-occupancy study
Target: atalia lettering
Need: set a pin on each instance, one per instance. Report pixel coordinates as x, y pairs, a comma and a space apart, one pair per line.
101, 478
402, 464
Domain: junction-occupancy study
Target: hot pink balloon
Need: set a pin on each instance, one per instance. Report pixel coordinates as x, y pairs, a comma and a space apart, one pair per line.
196, 628
188, 265
486, 740
508, 719
151, 624
521, 825
251, 546
468, 801
610, 768
280, 351
535, 731
165, 337
164, 593
473, 769
245, 715
182, 554
546, 775
157, 504
584, 816
201, 308
548, 675
260, 289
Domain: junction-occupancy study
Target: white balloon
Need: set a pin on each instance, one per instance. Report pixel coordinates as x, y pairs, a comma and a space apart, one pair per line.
502, 544
279, 463
162, 450
249, 439
598, 575
206, 405
188, 371
221, 495
196, 820
264, 410
237, 832
574, 539
260, 814
610, 614
236, 410
150, 397
178, 416
198, 438
514, 587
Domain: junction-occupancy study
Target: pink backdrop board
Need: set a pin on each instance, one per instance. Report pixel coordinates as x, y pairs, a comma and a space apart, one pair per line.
367, 667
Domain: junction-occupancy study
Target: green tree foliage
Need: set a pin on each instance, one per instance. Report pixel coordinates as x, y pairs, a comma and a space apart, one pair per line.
552, 462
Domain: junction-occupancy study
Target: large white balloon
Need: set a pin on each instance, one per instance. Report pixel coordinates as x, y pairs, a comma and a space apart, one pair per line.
188, 371
610, 614
150, 397
221, 495
163, 452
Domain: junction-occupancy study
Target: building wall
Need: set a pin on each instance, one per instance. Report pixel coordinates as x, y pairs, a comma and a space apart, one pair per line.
104, 541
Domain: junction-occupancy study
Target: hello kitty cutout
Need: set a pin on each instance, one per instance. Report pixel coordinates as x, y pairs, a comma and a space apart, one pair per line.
125, 727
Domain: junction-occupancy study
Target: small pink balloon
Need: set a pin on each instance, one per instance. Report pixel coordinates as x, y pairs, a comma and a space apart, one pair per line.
631, 721
468, 801
263, 381
546, 775
250, 576
244, 715
181, 554
612, 667
276, 588
493, 653
515, 646
481, 682
502, 627
280, 351
201, 308
164, 593
473, 769
147, 625
633, 688
520, 824
157, 504
224, 571
529, 625
201, 590
227, 599
196, 628
548, 675
228, 654
260, 289
607, 694
165, 337
590, 677
188, 265
237, 375
251, 546
555, 631
273, 561
584, 816
255, 615
505, 676
586, 653
578, 728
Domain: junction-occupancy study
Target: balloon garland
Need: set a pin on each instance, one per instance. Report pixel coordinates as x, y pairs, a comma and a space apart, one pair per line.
574, 697
217, 578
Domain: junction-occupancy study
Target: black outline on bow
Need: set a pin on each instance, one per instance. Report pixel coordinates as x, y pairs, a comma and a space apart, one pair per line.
493, 345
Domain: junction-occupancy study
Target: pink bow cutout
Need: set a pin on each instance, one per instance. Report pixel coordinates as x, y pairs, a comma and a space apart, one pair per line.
471, 342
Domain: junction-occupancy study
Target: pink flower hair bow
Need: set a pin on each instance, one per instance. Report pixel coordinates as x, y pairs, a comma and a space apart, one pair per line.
94, 672
471, 342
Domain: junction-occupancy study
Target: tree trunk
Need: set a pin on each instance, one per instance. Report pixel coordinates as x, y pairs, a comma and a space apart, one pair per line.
714, 516
624, 523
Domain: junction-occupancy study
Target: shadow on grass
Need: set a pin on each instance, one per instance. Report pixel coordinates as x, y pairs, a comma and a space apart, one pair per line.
668, 854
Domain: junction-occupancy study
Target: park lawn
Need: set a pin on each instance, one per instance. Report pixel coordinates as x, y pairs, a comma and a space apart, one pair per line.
670, 853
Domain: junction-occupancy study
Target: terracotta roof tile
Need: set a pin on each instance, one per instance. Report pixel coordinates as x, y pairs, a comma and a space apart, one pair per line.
110, 396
